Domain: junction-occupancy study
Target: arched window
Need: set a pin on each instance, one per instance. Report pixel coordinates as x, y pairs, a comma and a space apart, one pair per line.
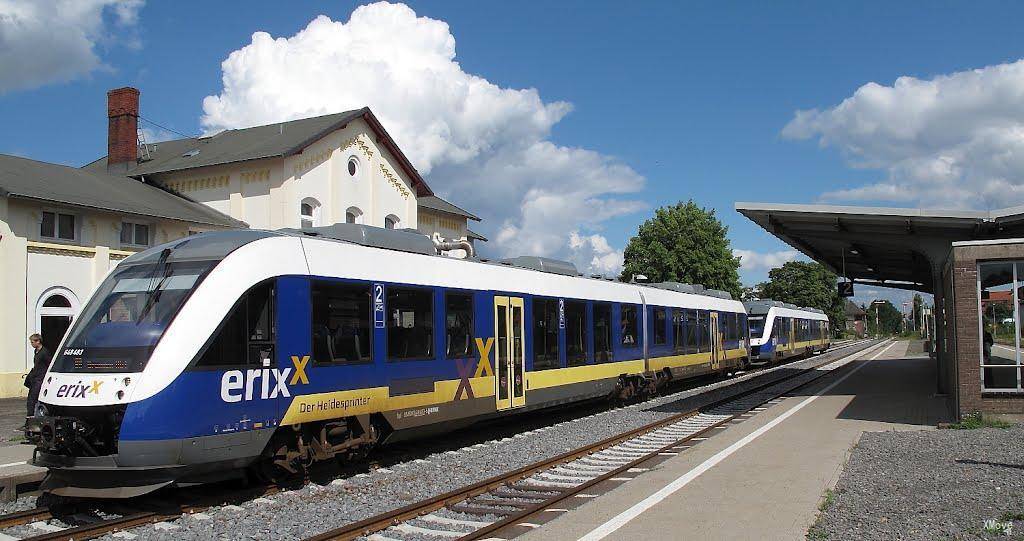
309, 212
353, 167
353, 215
391, 222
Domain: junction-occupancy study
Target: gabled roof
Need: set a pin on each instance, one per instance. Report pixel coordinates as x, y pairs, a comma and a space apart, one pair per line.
852, 309
48, 182
258, 142
434, 202
473, 235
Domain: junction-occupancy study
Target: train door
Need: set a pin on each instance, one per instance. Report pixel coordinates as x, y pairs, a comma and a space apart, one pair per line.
716, 343
510, 355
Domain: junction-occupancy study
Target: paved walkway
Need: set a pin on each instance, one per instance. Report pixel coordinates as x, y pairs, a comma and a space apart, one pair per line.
771, 484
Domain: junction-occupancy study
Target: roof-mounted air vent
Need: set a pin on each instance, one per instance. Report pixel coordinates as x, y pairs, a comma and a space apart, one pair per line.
679, 287
542, 264
719, 294
402, 240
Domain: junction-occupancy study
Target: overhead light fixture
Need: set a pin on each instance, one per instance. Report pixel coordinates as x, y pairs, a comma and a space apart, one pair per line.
854, 252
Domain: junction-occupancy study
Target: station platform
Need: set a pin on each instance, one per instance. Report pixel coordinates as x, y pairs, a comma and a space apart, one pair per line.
15, 472
746, 482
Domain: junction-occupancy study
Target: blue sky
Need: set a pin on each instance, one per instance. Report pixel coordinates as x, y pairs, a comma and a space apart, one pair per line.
691, 98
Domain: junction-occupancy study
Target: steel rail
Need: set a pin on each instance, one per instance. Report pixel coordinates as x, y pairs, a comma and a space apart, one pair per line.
383, 521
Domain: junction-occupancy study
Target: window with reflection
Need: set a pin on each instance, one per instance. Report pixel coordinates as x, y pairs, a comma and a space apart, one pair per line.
575, 333
458, 325
602, 332
999, 325
660, 322
545, 334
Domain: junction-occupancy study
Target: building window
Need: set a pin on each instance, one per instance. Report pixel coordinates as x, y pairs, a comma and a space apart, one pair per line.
575, 333
1000, 311
545, 334
602, 332
309, 212
56, 225
411, 323
391, 222
133, 234
353, 215
659, 327
458, 325
341, 323
353, 166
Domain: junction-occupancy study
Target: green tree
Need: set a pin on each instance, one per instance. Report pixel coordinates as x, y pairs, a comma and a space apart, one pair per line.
883, 318
806, 284
916, 315
684, 243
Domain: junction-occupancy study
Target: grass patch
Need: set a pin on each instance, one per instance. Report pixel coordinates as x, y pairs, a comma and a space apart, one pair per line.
830, 498
816, 533
1010, 516
973, 421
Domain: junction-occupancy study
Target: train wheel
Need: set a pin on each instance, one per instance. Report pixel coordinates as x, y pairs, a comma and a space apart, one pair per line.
281, 464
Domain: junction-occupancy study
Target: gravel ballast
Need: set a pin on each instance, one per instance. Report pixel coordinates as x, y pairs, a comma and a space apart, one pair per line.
316, 508
936, 484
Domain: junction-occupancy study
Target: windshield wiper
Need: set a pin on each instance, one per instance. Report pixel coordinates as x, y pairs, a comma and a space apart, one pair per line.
153, 295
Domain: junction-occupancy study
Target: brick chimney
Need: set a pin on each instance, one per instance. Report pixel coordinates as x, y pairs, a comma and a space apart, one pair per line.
122, 128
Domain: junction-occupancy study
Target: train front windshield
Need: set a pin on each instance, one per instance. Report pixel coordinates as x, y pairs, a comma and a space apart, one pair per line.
127, 315
756, 326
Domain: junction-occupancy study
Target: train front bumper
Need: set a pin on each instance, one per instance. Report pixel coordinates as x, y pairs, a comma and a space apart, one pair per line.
102, 476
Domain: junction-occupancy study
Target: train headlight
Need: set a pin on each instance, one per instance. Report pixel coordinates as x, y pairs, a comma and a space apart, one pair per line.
41, 410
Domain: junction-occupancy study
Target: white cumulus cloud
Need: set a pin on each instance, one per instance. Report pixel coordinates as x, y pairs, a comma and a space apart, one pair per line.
952, 141
593, 255
46, 41
751, 260
485, 147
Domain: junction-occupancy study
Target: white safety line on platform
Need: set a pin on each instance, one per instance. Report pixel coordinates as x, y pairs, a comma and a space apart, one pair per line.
879, 354
22, 463
636, 510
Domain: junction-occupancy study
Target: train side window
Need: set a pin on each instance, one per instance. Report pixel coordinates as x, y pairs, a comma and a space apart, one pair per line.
246, 336
659, 327
410, 324
628, 325
341, 323
458, 323
692, 332
575, 333
704, 334
733, 327
679, 329
602, 332
545, 334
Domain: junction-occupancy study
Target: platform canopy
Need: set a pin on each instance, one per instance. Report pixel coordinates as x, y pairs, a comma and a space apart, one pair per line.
893, 247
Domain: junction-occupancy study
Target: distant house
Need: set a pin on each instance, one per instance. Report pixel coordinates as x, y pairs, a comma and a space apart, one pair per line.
856, 319
62, 228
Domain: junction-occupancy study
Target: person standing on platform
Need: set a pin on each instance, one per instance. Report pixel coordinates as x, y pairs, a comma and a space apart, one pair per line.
34, 379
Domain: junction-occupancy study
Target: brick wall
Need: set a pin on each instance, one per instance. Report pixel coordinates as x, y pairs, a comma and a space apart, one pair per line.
968, 346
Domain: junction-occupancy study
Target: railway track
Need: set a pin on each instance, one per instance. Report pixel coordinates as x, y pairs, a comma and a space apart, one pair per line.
486, 509
506, 501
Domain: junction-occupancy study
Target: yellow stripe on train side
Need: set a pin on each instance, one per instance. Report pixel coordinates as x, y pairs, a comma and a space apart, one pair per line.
578, 374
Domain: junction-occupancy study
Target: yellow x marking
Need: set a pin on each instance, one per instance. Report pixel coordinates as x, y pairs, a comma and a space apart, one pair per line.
483, 368
96, 386
300, 370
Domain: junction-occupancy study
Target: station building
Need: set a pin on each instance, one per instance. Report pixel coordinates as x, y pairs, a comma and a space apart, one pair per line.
63, 228
971, 261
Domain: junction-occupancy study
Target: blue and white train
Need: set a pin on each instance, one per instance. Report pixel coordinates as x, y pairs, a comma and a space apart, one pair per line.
233, 353
780, 331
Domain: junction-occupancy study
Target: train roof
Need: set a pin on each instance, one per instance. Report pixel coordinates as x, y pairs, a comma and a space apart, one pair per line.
763, 305
218, 244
